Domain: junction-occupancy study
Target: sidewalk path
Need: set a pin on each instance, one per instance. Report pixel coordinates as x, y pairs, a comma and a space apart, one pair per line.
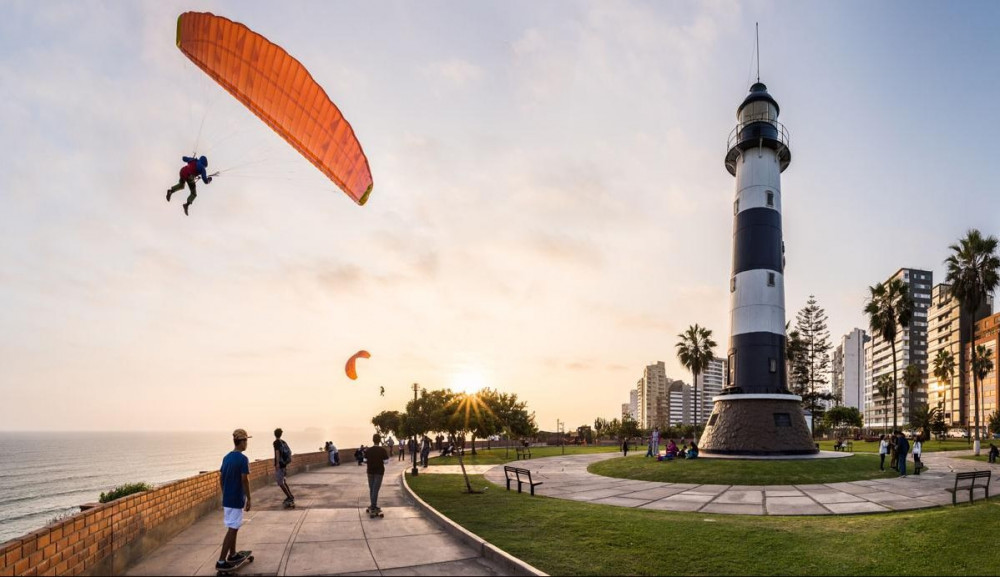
566, 477
328, 533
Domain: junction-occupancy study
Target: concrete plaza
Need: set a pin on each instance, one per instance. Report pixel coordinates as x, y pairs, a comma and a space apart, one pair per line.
328, 533
567, 478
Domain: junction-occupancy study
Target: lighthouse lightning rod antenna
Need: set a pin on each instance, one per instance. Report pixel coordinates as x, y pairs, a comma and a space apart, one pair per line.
756, 26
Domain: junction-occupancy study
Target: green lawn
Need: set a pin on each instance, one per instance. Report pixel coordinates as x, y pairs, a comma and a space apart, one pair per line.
929, 446
499, 456
564, 537
744, 472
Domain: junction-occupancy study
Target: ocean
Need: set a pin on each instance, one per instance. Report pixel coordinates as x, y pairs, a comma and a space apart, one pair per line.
44, 476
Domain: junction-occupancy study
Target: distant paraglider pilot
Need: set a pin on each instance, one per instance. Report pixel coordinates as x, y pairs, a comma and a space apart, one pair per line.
194, 169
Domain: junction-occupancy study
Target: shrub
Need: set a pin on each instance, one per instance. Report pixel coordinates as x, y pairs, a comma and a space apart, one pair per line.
124, 490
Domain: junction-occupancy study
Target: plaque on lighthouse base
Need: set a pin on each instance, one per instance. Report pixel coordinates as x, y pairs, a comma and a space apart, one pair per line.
758, 425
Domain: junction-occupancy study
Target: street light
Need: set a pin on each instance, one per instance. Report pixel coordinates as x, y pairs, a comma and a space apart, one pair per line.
413, 448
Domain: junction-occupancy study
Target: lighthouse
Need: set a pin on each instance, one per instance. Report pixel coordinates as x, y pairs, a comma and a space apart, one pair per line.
756, 414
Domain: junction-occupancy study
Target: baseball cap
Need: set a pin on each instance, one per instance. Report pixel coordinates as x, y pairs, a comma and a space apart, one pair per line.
240, 434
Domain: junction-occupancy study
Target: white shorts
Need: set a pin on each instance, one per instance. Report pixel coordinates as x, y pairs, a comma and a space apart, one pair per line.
232, 517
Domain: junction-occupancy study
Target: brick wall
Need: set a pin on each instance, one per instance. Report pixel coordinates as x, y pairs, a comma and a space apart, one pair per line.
108, 538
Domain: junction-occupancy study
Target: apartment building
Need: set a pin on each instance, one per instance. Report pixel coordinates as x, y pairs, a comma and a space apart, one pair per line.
848, 370
911, 348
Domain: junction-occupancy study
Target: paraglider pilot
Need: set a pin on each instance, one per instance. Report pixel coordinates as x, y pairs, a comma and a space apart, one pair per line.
194, 168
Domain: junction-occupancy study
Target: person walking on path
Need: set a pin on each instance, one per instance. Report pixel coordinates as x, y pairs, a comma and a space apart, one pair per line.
402, 450
994, 453
883, 448
282, 457
917, 451
377, 460
389, 443
649, 447
902, 448
425, 451
625, 447
234, 475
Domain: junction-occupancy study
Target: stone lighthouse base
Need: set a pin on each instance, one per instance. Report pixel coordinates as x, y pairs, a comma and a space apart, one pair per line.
757, 425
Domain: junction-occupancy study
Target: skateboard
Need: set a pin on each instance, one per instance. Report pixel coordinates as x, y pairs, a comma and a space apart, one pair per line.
245, 558
373, 514
288, 504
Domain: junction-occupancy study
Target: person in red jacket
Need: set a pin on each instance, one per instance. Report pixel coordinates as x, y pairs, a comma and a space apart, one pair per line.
192, 171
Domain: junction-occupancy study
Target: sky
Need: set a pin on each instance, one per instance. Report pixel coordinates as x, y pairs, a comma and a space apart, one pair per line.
550, 205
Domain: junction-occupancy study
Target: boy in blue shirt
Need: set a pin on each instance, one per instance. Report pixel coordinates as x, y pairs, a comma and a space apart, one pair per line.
235, 478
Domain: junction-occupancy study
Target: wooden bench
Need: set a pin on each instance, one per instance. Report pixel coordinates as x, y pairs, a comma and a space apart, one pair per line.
523, 452
518, 474
971, 477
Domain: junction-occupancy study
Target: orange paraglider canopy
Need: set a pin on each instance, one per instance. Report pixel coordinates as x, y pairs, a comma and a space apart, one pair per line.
279, 90
349, 369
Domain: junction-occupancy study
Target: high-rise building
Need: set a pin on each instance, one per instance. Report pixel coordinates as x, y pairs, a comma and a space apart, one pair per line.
848, 370
625, 410
988, 335
710, 384
654, 398
948, 329
911, 348
633, 404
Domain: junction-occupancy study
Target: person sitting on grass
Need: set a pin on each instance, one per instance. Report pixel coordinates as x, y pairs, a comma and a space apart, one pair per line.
692, 452
671, 450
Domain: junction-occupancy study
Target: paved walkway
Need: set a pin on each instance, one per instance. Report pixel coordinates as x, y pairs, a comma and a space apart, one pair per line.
566, 477
328, 533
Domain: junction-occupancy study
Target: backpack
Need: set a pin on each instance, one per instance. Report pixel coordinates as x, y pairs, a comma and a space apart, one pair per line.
286, 454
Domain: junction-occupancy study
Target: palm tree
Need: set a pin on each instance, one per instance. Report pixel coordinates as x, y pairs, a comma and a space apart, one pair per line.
884, 386
973, 273
694, 350
913, 377
982, 364
944, 371
889, 307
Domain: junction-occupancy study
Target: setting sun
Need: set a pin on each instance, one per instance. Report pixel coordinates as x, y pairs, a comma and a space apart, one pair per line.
468, 381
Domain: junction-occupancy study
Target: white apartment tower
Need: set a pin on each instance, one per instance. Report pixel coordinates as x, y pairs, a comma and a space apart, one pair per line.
848, 381
710, 384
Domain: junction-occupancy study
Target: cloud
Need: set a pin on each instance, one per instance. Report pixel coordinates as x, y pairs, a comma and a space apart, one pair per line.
456, 73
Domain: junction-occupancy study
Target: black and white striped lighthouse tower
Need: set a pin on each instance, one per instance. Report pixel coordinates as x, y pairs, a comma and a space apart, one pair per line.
756, 414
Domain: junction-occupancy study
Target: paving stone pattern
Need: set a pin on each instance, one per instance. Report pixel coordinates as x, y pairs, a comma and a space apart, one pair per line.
566, 477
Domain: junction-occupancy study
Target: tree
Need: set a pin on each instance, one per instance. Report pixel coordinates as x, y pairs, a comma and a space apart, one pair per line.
913, 377
812, 366
994, 423
889, 308
794, 352
600, 427
843, 416
982, 365
923, 418
944, 372
694, 350
973, 273
388, 422
511, 415
938, 425
884, 386
629, 428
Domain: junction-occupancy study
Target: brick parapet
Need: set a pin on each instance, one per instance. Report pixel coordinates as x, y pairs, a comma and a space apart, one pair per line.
105, 539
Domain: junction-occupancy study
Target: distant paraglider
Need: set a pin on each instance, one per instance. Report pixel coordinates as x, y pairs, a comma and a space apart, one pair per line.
381, 391
281, 92
352, 373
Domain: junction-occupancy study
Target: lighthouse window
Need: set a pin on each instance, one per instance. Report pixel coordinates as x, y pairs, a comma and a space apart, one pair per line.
773, 365
770, 279
782, 420
732, 285
770, 199
736, 206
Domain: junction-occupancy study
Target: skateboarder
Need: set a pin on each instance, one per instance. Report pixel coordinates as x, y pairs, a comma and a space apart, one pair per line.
235, 478
282, 457
377, 460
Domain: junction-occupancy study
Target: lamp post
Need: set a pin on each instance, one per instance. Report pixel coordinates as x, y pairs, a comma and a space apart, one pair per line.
413, 448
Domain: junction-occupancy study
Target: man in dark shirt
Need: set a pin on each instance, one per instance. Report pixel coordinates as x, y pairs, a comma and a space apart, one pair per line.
282, 457
902, 448
235, 478
377, 458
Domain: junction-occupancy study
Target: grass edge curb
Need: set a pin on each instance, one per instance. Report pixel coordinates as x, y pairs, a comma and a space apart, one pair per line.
511, 564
